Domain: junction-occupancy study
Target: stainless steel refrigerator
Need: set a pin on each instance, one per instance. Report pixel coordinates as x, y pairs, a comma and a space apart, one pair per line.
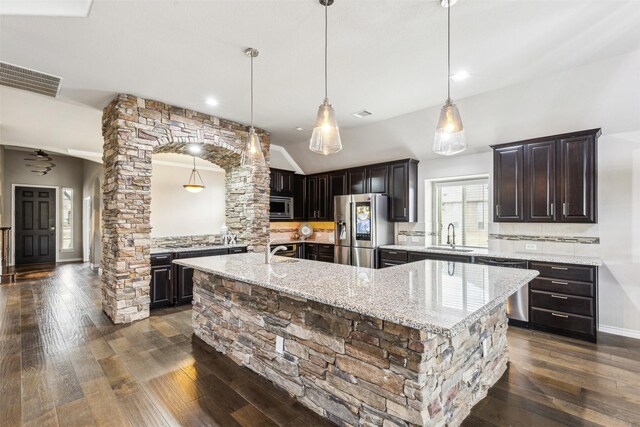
361, 226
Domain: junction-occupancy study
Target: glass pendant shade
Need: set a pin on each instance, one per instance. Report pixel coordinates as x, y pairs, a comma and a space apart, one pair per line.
252, 153
326, 135
449, 138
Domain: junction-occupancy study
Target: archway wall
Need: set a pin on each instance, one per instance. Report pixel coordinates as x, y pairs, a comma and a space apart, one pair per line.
133, 129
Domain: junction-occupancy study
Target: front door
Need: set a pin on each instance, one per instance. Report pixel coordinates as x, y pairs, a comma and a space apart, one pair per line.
35, 225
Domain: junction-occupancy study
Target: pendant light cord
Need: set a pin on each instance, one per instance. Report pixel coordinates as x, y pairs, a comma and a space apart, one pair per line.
252, 90
326, 31
449, 50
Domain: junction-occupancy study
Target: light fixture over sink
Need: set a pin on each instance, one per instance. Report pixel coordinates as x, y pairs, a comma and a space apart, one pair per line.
195, 184
252, 155
449, 138
326, 135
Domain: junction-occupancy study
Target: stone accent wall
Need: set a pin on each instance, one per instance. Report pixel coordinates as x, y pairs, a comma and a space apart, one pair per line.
204, 239
133, 129
350, 368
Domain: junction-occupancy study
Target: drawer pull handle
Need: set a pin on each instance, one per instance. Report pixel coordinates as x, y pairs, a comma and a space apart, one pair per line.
162, 257
392, 253
564, 316
559, 268
558, 296
559, 283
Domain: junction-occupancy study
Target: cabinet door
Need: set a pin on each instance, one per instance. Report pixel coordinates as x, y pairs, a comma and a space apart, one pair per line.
185, 285
312, 197
377, 179
384, 263
311, 251
508, 183
540, 182
161, 291
337, 187
286, 182
577, 180
357, 181
399, 192
323, 199
274, 181
299, 197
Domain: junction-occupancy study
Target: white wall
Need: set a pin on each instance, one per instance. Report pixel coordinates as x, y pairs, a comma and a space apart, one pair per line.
2, 184
176, 212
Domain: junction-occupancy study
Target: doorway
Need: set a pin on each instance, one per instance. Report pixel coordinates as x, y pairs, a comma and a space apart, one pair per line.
35, 225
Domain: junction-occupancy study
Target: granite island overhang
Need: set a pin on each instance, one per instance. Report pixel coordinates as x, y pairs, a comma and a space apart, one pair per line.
415, 344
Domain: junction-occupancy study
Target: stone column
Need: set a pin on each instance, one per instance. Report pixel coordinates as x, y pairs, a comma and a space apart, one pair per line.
126, 194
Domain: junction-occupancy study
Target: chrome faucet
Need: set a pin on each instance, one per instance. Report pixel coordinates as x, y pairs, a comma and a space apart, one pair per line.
451, 239
268, 253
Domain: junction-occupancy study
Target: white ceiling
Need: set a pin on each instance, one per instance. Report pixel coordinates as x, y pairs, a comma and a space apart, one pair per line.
385, 56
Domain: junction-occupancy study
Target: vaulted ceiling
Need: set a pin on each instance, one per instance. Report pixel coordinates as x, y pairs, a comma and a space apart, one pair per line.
385, 56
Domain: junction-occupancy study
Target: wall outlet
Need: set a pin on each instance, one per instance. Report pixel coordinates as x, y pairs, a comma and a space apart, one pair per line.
415, 239
402, 238
279, 344
531, 246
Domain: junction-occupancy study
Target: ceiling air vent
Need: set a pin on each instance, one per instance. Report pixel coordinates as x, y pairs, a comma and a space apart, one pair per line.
26, 79
362, 114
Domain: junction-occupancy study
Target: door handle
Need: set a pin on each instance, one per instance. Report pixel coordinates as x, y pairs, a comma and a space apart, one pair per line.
564, 208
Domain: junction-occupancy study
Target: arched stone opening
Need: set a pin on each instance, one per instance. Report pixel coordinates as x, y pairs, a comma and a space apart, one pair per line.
133, 129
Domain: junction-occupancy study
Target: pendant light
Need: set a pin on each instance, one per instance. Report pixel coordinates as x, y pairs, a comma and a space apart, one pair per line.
449, 138
252, 153
193, 186
326, 135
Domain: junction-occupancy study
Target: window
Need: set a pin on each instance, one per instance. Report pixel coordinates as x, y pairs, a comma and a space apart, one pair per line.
464, 203
67, 219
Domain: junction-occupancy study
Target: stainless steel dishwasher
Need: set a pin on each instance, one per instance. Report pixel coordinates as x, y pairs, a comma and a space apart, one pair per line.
518, 303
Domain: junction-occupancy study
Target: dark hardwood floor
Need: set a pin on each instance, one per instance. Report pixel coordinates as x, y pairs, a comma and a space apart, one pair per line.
62, 362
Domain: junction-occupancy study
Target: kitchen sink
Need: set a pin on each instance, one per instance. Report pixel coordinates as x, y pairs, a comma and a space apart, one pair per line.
449, 249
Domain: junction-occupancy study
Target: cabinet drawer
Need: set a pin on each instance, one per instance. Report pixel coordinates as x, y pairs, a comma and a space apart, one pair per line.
421, 256
565, 321
160, 259
390, 263
325, 250
562, 286
388, 254
237, 250
200, 254
561, 302
564, 271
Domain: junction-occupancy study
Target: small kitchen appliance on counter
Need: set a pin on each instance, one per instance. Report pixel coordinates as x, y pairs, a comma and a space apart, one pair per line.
361, 226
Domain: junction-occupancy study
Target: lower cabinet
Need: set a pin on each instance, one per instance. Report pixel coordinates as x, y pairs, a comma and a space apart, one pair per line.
173, 284
563, 300
319, 252
421, 256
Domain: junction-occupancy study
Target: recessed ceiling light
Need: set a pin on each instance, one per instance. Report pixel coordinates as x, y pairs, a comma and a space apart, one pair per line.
195, 148
299, 129
362, 114
212, 102
462, 75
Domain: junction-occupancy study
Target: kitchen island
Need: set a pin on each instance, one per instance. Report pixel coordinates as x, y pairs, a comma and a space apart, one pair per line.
416, 344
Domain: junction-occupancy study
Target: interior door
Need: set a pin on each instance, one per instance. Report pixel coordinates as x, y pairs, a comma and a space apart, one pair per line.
35, 235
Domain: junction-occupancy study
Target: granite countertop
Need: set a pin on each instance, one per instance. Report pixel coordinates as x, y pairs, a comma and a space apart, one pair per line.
169, 250
436, 296
529, 256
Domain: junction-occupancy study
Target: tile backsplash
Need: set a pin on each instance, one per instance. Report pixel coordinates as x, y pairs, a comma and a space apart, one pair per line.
322, 230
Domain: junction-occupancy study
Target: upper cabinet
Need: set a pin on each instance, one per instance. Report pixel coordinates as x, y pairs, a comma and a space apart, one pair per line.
357, 181
508, 182
281, 182
550, 179
377, 179
403, 191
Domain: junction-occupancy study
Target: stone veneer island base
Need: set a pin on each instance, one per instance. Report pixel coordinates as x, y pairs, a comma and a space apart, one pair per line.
349, 365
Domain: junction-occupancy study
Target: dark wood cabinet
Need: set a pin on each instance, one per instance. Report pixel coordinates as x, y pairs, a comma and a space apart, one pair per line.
403, 188
421, 256
564, 299
337, 187
281, 182
299, 197
508, 183
319, 252
377, 179
184, 275
161, 291
577, 183
317, 196
540, 182
313, 194
357, 180
549, 179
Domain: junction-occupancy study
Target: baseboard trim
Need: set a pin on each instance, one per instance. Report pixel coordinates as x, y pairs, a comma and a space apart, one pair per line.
61, 261
619, 331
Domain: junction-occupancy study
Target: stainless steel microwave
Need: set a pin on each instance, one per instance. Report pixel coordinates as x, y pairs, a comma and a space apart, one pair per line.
280, 207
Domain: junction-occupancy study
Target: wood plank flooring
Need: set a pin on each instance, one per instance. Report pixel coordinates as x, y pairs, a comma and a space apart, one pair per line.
62, 362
